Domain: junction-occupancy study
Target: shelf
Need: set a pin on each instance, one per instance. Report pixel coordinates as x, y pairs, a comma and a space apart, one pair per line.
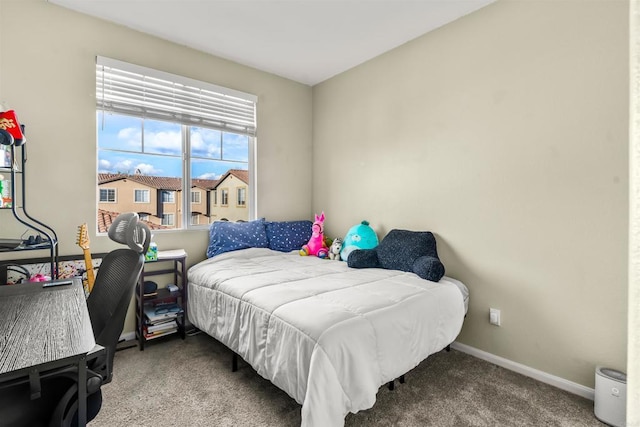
177, 268
14, 192
29, 247
9, 170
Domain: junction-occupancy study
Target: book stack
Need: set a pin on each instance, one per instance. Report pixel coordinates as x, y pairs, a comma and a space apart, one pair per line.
160, 319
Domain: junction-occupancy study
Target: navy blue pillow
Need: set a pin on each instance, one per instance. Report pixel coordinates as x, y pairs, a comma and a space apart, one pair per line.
227, 236
287, 236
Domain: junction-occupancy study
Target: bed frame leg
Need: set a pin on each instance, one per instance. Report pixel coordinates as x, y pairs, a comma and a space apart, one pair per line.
391, 385
234, 363
448, 348
401, 379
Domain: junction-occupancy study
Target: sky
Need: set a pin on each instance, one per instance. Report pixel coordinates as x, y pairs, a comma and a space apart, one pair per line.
213, 152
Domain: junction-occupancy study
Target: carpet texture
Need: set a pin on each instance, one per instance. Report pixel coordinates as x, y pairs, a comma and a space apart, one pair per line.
174, 382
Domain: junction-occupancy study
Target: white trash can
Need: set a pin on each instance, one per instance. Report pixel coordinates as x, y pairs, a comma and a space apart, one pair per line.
610, 400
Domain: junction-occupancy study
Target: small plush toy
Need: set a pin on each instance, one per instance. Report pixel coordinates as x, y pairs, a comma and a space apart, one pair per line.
360, 236
412, 251
334, 250
316, 245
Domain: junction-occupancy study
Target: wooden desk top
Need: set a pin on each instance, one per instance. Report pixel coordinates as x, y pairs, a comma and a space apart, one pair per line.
39, 325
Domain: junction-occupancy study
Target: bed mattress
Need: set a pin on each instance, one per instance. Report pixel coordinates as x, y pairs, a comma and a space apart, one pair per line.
326, 334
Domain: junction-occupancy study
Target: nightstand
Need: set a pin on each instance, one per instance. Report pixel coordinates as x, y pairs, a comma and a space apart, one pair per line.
163, 312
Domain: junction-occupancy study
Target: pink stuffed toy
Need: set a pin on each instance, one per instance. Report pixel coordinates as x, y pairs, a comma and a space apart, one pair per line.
316, 245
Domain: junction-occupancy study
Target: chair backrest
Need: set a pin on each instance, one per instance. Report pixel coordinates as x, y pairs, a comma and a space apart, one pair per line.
114, 285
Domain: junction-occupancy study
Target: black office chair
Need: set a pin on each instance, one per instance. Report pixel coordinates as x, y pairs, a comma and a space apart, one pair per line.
108, 302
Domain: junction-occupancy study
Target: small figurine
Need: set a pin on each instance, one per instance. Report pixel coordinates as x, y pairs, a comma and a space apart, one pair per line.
336, 247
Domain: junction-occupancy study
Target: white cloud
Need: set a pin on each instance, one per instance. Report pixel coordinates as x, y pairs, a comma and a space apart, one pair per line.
164, 141
131, 136
206, 142
209, 175
147, 169
104, 165
123, 166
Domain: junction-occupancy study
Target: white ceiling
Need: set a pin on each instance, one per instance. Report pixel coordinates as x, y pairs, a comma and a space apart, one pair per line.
303, 40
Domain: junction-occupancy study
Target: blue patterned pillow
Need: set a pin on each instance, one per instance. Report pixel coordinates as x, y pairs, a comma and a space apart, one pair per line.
231, 236
287, 236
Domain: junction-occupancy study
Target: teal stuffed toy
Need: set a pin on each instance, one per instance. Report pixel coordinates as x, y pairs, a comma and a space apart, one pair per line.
360, 236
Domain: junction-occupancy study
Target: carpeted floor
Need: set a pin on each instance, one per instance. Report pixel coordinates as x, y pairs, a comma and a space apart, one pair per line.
174, 382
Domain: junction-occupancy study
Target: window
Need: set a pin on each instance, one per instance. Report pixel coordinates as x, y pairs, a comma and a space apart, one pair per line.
168, 197
167, 219
165, 132
143, 217
107, 195
242, 197
224, 197
195, 219
141, 196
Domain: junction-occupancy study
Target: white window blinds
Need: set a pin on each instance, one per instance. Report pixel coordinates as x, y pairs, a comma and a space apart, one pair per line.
134, 90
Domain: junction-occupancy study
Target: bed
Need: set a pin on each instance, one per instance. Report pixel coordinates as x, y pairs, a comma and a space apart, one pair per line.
326, 334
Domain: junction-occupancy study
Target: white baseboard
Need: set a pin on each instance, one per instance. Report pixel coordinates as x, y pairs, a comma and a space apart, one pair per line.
541, 376
132, 336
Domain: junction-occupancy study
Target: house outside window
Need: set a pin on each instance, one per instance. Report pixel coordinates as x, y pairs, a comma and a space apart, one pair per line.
108, 195
224, 197
242, 196
141, 196
168, 197
167, 219
195, 196
166, 146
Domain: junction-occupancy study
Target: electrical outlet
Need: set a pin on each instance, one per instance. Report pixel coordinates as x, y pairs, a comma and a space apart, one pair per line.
494, 316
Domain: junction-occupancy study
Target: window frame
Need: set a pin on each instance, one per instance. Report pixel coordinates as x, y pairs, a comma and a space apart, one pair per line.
224, 192
196, 192
171, 193
243, 198
144, 191
107, 189
226, 118
165, 219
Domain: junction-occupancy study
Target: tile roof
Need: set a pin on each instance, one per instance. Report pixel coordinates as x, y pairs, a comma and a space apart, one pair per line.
207, 184
105, 219
158, 182
242, 175
104, 178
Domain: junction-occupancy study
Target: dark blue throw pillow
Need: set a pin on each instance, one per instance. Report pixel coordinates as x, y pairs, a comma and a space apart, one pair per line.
404, 250
231, 236
287, 236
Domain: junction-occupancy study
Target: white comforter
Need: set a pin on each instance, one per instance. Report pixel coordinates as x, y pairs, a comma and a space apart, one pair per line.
326, 334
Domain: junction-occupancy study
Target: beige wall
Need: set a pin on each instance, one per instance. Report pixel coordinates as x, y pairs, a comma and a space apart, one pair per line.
49, 79
47, 74
511, 124
633, 369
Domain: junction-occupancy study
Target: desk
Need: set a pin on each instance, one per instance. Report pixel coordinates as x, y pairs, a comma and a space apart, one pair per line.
43, 329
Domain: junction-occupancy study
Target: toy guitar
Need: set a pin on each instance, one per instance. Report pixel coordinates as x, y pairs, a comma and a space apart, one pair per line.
83, 242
